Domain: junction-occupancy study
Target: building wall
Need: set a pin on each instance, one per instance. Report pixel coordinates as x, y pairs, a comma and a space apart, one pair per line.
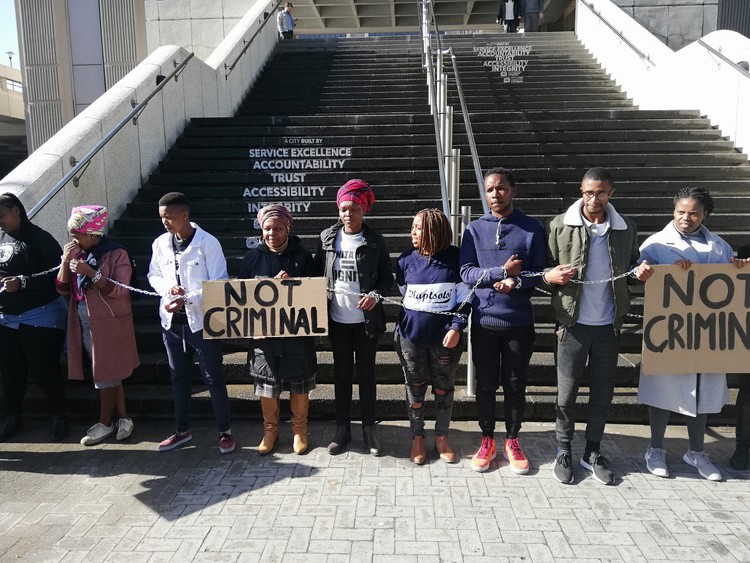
675, 22
71, 52
196, 25
735, 15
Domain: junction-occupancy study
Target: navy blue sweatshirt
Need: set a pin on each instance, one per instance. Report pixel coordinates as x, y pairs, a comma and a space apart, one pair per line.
429, 283
487, 244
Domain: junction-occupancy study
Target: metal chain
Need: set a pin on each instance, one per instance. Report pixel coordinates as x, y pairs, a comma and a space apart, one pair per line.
631, 272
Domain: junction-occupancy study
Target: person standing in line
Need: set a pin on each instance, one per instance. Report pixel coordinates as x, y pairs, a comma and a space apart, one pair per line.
100, 320
32, 318
588, 243
429, 343
685, 241
280, 364
285, 23
355, 260
509, 14
741, 454
533, 13
494, 250
182, 259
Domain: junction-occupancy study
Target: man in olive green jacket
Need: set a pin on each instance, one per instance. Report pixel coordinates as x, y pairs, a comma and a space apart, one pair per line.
589, 246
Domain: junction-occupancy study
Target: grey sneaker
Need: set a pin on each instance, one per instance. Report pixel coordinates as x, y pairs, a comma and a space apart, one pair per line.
124, 428
563, 468
597, 464
656, 462
97, 433
703, 464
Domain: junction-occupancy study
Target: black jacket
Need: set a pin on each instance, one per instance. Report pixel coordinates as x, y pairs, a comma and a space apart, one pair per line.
373, 266
31, 251
273, 360
517, 10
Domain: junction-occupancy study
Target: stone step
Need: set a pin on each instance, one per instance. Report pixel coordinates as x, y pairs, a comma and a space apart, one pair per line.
155, 401
193, 149
366, 162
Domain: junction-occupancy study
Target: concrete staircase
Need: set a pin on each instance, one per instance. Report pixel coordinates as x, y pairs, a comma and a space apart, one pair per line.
366, 100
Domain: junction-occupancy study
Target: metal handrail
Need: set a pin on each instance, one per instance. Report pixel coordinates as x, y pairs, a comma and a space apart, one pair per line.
438, 141
465, 113
640, 53
132, 114
470, 134
723, 57
230, 68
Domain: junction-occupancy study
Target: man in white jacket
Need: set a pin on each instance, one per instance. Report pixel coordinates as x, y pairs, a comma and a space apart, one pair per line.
182, 259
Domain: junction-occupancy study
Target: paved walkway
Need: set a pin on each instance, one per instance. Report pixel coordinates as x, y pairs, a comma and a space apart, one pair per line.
131, 503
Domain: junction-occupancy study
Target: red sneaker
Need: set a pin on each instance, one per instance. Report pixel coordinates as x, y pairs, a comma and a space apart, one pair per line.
513, 453
487, 452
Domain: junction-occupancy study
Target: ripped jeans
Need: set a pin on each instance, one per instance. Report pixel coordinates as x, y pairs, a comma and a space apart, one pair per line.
425, 365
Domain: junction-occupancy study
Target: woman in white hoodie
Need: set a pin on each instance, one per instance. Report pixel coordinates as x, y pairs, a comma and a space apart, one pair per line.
685, 241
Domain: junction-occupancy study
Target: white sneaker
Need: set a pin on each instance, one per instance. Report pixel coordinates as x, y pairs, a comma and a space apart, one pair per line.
703, 464
124, 428
97, 433
655, 462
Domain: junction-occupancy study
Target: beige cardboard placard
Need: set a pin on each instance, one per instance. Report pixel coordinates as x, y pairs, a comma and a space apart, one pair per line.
697, 321
265, 307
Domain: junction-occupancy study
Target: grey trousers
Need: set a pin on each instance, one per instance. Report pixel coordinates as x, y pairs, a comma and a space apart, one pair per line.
577, 346
531, 22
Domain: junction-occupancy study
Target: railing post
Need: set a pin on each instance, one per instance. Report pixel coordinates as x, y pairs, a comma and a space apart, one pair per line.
455, 183
471, 383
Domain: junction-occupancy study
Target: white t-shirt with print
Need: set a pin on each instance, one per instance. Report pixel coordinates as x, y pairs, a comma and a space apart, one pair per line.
346, 277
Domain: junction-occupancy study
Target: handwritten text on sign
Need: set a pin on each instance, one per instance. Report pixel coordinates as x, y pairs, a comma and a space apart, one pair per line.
697, 321
265, 307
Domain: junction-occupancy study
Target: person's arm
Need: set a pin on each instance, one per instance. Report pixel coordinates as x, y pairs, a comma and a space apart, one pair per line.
279, 22
121, 271
400, 279
555, 273
644, 270
216, 263
156, 276
385, 270
471, 272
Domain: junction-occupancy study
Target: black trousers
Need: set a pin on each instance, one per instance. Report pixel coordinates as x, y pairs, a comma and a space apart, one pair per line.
36, 350
501, 357
353, 348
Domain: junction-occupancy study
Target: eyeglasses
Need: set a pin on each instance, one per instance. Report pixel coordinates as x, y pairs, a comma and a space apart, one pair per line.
597, 195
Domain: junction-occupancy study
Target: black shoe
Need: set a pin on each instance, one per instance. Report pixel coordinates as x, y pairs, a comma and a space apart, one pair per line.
596, 463
563, 468
371, 440
59, 428
341, 439
740, 459
10, 426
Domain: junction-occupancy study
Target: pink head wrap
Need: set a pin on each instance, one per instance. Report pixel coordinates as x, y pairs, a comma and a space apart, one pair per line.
357, 191
275, 211
88, 219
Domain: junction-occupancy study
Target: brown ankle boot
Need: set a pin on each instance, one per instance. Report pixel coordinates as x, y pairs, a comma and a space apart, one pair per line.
445, 451
418, 452
270, 408
299, 403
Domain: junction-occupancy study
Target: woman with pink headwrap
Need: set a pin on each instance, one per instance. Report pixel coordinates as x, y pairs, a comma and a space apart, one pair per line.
100, 319
280, 364
355, 260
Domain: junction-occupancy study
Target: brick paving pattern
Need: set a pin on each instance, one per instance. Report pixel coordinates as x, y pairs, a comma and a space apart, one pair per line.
128, 503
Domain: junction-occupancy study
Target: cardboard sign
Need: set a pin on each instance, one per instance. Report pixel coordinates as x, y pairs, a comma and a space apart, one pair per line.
697, 321
265, 307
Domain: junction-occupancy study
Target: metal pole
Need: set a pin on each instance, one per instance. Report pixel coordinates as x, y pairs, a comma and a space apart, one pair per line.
447, 141
471, 382
455, 194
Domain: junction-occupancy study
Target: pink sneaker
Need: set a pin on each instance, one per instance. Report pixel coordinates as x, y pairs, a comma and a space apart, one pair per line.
487, 452
514, 454
226, 443
175, 439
